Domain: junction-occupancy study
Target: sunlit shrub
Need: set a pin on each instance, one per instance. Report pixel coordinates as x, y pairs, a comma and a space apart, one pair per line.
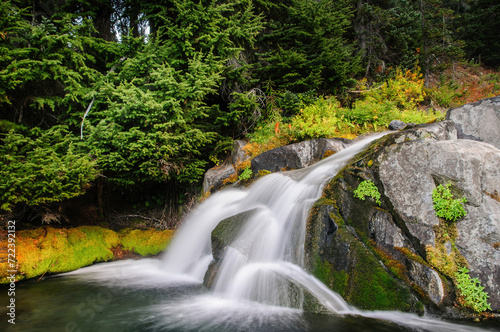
317, 120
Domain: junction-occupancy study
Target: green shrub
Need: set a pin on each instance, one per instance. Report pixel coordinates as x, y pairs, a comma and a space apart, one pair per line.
367, 188
246, 174
445, 205
471, 290
43, 167
317, 120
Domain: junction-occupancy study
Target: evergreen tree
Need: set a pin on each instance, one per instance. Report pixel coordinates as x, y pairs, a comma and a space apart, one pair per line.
47, 68
153, 120
42, 167
439, 40
388, 34
479, 29
306, 49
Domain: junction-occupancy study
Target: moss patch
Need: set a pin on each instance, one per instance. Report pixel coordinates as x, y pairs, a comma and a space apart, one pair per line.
373, 287
51, 250
356, 273
145, 242
445, 256
327, 274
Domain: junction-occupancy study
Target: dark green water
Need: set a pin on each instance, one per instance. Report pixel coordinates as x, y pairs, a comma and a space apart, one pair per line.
145, 301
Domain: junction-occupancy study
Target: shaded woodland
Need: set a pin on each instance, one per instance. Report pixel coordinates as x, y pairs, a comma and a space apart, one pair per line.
130, 102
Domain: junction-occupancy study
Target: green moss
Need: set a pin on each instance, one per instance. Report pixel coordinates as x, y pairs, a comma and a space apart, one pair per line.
327, 274
375, 288
145, 242
438, 256
324, 201
263, 172
322, 271
51, 250
407, 252
365, 282
395, 266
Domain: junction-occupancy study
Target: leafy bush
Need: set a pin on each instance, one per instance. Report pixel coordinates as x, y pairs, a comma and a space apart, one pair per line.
445, 205
473, 293
45, 167
367, 188
398, 98
405, 89
317, 120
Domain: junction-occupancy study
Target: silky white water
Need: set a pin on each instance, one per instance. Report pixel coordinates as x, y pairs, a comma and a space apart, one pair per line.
261, 279
264, 260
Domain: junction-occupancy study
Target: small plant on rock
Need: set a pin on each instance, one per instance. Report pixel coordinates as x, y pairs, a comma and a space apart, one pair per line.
367, 188
471, 290
246, 174
445, 205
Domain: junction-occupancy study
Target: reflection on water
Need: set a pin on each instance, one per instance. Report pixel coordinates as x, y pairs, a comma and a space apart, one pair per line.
133, 296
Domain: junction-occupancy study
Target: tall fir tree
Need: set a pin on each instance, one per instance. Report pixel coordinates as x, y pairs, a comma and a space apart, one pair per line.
153, 119
307, 48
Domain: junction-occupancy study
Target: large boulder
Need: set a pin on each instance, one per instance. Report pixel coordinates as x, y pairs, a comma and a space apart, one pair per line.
298, 155
478, 121
292, 156
403, 232
409, 173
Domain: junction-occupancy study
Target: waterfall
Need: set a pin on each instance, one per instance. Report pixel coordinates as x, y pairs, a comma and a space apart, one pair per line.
264, 262
260, 282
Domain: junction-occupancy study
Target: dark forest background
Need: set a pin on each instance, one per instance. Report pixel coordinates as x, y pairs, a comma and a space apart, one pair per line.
130, 102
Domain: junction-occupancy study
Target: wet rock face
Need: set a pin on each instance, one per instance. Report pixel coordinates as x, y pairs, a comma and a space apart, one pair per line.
478, 121
298, 155
222, 235
384, 231
427, 279
339, 258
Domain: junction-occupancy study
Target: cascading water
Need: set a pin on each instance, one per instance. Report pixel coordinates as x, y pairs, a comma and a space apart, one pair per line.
260, 283
262, 262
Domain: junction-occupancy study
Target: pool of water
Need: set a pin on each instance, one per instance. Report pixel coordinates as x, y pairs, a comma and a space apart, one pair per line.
138, 296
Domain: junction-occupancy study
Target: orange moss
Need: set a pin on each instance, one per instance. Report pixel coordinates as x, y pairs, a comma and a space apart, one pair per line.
231, 179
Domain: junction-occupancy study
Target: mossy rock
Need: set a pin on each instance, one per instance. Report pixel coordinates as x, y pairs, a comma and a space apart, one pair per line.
49, 250
145, 242
52, 250
351, 269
